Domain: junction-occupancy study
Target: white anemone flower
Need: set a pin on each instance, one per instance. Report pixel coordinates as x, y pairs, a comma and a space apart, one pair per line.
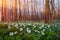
42, 33
48, 26
36, 30
28, 31
16, 25
40, 27
43, 29
11, 33
15, 32
21, 29
28, 28
34, 26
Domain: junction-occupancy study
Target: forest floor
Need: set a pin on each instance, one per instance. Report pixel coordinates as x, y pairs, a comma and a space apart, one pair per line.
29, 30
25, 22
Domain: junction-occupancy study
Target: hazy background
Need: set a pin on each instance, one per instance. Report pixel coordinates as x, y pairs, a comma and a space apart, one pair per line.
26, 7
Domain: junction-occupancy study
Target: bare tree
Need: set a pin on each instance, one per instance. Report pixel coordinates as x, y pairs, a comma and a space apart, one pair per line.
50, 15
3, 10
15, 10
53, 11
58, 9
47, 12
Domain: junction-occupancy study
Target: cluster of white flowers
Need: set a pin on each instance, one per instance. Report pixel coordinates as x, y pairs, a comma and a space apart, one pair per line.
37, 31
34, 26
42, 25
22, 25
16, 25
12, 33
28, 30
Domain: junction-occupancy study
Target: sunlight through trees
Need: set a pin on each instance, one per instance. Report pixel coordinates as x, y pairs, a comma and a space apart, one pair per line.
29, 10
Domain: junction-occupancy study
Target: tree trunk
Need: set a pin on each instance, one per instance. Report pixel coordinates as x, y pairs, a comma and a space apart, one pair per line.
15, 10
47, 12
53, 13
3, 10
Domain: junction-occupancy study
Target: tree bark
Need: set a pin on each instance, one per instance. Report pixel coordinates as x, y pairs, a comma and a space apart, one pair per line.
3, 10
47, 12
53, 13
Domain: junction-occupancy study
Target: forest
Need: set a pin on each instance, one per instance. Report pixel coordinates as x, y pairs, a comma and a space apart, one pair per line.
29, 10
29, 19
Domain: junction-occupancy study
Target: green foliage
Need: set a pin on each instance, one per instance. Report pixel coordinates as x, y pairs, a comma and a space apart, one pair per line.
29, 31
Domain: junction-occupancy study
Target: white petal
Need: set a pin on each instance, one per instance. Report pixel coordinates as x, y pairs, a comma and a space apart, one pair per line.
21, 29
11, 33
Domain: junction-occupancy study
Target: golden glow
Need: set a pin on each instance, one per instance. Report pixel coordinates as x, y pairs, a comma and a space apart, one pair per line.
14, 3
8, 3
0, 3
4, 3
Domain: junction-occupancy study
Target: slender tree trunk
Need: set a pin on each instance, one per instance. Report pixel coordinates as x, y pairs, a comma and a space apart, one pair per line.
3, 10
47, 12
20, 14
32, 11
15, 10
58, 10
53, 13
